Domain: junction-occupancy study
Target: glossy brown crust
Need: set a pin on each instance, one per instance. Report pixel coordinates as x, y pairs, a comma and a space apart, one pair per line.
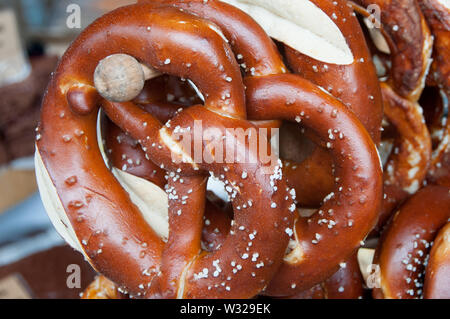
439, 172
438, 20
357, 86
408, 163
437, 276
332, 234
346, 283
410, 43
68, 146
405, 244
222, 228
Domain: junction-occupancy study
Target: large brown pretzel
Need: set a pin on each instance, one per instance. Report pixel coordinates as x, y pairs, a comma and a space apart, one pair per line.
404, 247
125, 153
67, 147
356, 165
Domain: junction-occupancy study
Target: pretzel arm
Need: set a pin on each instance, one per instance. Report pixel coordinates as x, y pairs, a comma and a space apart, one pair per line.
352, 208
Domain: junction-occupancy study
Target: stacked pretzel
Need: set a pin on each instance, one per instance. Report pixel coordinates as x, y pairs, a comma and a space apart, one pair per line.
117, 149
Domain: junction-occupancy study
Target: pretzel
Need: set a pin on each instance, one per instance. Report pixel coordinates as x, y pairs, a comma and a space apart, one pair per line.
219, 224
410, 45
404, 246
353, 67
312, 178
355, 156
407, 165
135, 257
346, 283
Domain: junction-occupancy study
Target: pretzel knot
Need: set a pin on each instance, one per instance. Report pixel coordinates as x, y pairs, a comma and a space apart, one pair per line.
121, 234
107, 226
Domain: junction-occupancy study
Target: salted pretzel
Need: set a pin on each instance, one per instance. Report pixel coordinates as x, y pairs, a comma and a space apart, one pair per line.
71, 166
405, 40
407, 164
346, 283
298, 100
405, 246
312, 178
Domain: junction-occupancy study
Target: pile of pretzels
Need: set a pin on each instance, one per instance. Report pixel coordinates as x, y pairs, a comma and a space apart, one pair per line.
350, 100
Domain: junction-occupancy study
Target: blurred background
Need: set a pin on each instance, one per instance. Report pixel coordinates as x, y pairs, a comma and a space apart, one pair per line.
33, 36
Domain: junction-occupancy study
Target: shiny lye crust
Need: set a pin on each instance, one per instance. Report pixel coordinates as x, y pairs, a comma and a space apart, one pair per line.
346, 283
405, 246
438, 19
